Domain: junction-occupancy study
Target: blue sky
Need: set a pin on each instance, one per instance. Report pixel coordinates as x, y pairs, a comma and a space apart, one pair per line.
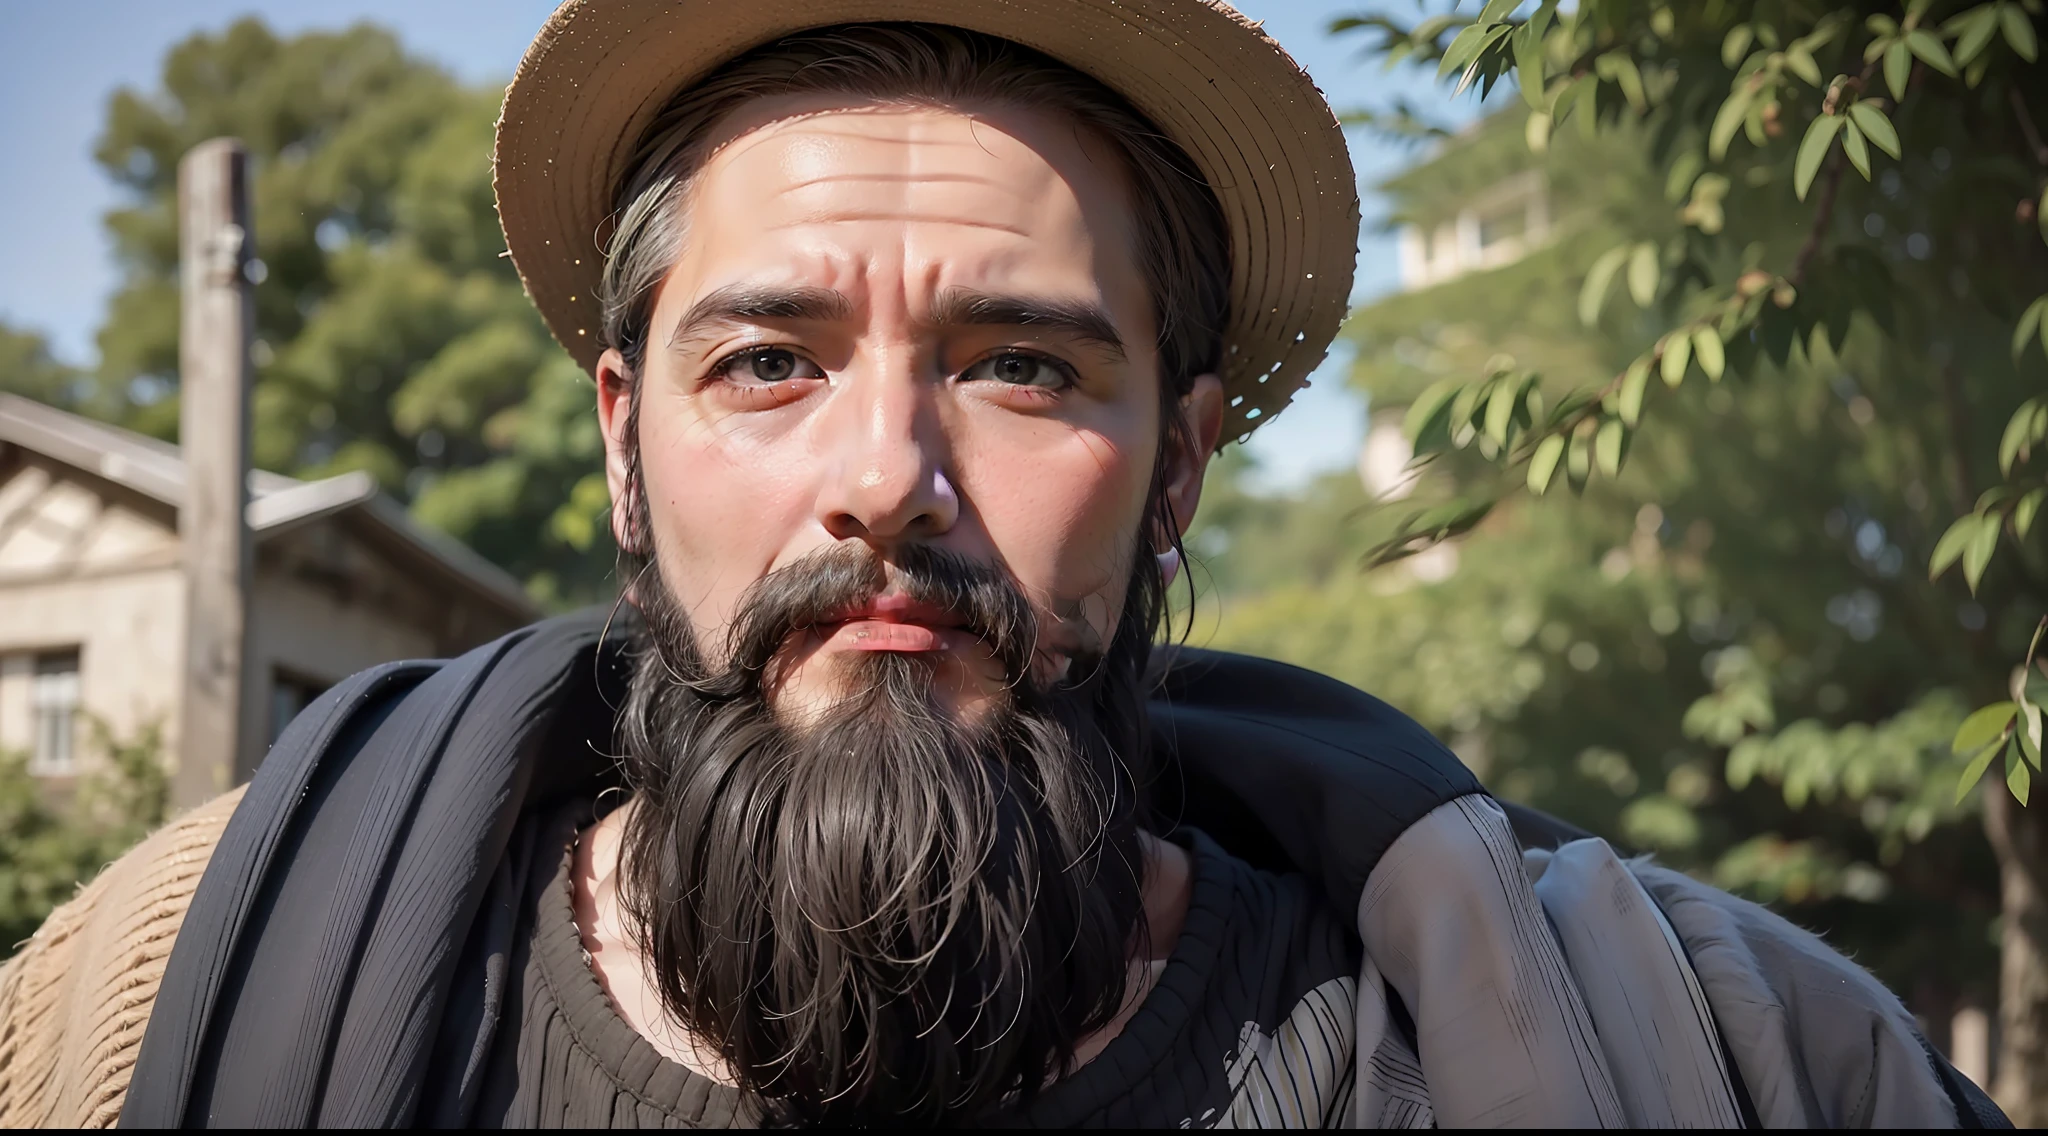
59, 63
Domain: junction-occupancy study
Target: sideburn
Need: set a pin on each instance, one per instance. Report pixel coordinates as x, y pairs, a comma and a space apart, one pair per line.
888, 917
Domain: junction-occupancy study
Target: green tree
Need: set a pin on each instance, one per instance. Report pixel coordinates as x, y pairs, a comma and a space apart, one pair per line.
28, 368
1835, 268
392, 334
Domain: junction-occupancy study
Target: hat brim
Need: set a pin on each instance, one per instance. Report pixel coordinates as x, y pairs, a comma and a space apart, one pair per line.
1213, 82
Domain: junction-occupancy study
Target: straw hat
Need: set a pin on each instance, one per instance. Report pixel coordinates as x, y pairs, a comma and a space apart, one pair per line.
599, 71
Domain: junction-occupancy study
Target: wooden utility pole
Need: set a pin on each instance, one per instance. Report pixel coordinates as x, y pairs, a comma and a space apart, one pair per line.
214, 248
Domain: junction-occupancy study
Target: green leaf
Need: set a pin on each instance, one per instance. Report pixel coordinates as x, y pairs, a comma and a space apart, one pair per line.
1974, 771
1599, 279
1800, 62
1578, 460
1929, 49
1819, 137
1610, 445
1706, 347
1728, 120
1465, 408
2027, 723
1580, 96
1497, 10
2040, 218
1876, 126
1528, 45
1678, 180
1543, 463
1736, 44
2019, 31
2018, 777
1852, 145
1973, 30
1984, 727
1633, 385
1536, 132
1628, 77
1500, 410
1493, 35
1977, 556
1898, 67
2028, 426
1952, 543
2029, 319
1643, 274
1992, 498
2025, 511
1677, 353
1464, 48
1429, 416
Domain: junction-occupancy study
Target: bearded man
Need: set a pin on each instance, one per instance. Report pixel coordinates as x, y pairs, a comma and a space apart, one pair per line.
913, 326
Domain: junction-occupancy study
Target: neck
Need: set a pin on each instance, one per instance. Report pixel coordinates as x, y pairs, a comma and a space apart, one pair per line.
620, 969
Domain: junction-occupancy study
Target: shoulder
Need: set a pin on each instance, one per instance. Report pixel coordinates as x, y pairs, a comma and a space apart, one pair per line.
75, 1001
1818, 1040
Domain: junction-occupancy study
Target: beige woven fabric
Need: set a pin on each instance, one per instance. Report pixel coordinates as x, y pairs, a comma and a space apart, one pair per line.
74, 1002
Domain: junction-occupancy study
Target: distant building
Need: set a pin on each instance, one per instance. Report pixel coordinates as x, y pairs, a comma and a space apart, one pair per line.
1480, 201
1496, 226
92, 596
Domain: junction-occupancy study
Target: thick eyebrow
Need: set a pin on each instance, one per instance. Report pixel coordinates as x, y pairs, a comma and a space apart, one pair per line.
739, 303
959, 307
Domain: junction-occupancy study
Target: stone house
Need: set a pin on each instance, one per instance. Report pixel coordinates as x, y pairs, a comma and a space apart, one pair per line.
92, 592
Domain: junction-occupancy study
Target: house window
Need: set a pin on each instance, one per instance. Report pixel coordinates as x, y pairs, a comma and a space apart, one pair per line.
1502, 225
53, 700
289, 694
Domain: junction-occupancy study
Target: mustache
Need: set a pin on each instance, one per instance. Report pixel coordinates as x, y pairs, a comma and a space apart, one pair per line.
888, 916
982, 598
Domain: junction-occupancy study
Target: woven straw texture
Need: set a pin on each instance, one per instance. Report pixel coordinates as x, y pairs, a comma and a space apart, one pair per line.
1247, 114
74, 1002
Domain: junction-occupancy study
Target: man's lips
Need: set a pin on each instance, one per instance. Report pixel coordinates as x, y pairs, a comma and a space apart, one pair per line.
893, 623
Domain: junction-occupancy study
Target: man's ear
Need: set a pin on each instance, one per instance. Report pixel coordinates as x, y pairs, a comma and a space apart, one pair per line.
1202, 407
615, 393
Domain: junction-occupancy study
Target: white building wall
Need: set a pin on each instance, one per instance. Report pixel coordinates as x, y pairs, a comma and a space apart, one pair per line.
129, 633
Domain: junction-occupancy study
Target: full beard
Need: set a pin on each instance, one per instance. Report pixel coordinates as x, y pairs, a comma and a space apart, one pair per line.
885, 914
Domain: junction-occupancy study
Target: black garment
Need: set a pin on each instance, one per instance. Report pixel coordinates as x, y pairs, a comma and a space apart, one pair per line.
1254, 949
345, 959
564, 1058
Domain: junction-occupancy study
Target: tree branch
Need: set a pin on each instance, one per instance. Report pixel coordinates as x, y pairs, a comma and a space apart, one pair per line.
1823, 213
2019, 109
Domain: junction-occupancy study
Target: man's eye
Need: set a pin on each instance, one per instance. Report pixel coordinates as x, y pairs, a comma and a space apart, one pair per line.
1019, 369
768, 365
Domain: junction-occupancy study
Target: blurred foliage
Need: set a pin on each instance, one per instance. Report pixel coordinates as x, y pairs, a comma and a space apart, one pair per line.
28, 368
392, 334
1727, 649
1750, 115
54, 839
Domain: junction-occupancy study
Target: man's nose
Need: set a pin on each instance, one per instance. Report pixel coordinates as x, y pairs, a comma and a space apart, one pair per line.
886, 479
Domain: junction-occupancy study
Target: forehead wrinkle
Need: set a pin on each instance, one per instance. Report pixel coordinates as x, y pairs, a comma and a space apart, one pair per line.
833, 179
905, 216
